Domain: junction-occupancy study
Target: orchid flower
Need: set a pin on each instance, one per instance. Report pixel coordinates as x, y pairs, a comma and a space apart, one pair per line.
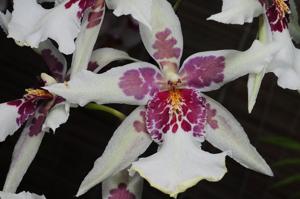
31, 23
40, 109
177, 115
21, 195
273, 27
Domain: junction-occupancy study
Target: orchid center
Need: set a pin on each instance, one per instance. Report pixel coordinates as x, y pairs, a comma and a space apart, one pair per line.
37, 93
176, 111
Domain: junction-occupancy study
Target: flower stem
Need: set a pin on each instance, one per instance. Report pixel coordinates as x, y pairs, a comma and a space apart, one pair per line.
107, 109
176, 5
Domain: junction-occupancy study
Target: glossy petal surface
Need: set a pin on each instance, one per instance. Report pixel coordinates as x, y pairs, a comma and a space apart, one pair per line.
138, 9
229, 135
127, 143
134, 83
179, 164
164, 40
38, 24
238, 11
23, 154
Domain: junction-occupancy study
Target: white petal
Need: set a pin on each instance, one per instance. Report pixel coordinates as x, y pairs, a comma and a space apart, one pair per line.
87, 37
179, 164
122, 185
255, 79
238, 11
128, 142
254, 82
294, 26
8, 123
57, 116
103, 56
21, 195
24, 153
235, 64
138, 9
164, 40
32, 24
131, 84
4, 20
229, 135
286, 63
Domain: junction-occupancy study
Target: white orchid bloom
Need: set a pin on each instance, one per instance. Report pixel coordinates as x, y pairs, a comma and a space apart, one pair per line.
178, 116
31, 23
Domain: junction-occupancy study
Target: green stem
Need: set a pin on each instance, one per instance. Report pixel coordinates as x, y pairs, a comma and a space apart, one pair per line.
107, 109
176, 5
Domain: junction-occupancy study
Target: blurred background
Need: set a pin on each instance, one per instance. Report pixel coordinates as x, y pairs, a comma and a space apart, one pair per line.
66, 157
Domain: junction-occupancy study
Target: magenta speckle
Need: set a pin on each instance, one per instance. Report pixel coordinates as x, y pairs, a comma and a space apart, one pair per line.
165, 45
26, 108
121, 193
92, 66
140, 126
163, 116
278, 18
56, 68
211, 113
139, 82
199, 72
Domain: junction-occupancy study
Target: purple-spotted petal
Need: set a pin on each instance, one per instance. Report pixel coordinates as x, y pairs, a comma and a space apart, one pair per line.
4, 20
122, 186
238, 11
164, 40
180, 164
128, 142
88, 35
16, 113
210, 70
294, 26
21, 195
103, 56
134, 83
138, 9
24, 153
37, 24
55, 61
228, 135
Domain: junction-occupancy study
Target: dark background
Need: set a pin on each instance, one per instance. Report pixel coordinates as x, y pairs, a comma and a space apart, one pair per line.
66, 157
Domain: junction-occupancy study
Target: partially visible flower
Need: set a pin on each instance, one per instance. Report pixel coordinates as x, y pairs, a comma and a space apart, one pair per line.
21, 195
122, 186
177, 116
31, 23
273, 28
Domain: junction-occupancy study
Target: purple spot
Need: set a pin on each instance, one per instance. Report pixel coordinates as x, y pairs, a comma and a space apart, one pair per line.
139, 82
278, 15
121, 193
26, 108
96, 15
92, 66
170, 110
140, 126
199, 72
211, 113
165, 45
56, 68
